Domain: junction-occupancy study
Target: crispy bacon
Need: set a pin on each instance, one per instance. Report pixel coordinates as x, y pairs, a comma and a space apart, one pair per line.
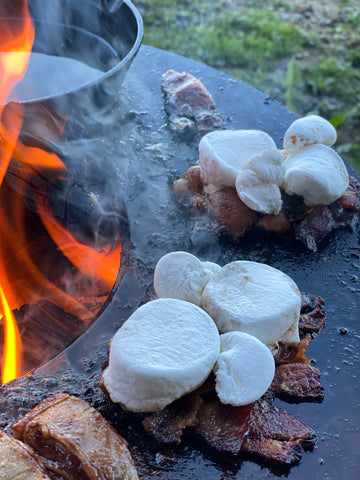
312, 315
275, 223
190, 182
259, 429
315, 226
230, 213
168, 425
350, 200
222, 426
275, 435
309, 225
297, 382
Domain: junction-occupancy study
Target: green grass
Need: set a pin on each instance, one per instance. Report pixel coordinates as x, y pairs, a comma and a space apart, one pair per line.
306, 53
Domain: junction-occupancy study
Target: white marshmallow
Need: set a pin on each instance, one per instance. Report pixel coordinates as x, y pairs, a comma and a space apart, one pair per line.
244, 370
317, 173
223, 152
253, 298
307, 131
166, 348
258, 182
183, 276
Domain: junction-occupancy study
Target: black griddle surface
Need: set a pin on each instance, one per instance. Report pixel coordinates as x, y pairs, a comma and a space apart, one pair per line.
148, 158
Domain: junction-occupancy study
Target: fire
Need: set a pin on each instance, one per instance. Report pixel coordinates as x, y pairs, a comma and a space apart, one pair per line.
22, 281
15, 53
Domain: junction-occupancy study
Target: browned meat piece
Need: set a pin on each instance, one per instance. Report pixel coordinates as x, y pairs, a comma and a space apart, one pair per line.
259, 429
190, 182
18, 461
274, 223
275, 451
351, 198
188, 103
230, 213
309, 224
315, 227
75, 441
312, 315
168, 425
222, 426
297, 382
275, 435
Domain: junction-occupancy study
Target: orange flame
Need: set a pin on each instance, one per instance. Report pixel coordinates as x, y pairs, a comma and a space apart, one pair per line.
12, 342
21, 279
14, 57
102, 265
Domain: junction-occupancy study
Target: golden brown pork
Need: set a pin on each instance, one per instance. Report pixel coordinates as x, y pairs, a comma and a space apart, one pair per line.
18, 461
75, 441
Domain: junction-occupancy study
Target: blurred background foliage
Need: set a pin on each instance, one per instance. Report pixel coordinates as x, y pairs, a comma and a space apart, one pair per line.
305, 54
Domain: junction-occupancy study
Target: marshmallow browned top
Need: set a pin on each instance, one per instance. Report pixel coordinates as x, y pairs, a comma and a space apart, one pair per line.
308, 131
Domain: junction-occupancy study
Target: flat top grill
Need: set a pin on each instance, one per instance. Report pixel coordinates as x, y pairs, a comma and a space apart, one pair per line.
145, 157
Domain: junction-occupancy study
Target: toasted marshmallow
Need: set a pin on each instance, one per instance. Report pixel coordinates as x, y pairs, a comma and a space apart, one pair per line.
166, 348
253, 298
183, 276
244, 370
308, 131
223, 152
259, 179
317, 173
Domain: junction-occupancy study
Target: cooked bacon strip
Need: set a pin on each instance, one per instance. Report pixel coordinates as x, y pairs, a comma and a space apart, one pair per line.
275, 435
190, 182
230, 213
168, 425
312, 315
275, 223
351, 198
189, 104
315, 227
297, 382
18, 461
310, 225
275, 451
75, 441
222, 426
